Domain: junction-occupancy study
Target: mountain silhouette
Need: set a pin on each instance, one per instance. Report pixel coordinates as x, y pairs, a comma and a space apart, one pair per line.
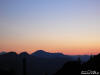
47, 63
44, 54
37, 63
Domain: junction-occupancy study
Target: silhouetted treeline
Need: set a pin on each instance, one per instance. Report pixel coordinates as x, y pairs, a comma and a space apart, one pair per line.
91, 67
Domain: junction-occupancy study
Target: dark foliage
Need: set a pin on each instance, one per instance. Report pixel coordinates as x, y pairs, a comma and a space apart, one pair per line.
92, 66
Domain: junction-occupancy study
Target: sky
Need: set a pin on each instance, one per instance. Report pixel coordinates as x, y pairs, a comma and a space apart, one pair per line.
66, 26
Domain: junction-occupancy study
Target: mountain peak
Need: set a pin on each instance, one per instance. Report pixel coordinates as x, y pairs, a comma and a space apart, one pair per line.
39, 51
44, 54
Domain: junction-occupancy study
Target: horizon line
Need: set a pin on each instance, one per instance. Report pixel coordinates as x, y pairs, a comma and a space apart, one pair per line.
47, 52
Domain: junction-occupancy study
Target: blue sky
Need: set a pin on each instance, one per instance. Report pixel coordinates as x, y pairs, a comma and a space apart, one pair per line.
50, 24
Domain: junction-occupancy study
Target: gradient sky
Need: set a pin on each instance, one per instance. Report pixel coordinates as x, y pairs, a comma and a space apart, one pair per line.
67, 26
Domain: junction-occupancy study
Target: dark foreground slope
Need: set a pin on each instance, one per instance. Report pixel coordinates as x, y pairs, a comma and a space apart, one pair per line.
91, 67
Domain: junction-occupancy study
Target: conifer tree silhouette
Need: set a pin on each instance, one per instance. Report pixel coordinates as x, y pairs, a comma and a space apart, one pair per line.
24, 66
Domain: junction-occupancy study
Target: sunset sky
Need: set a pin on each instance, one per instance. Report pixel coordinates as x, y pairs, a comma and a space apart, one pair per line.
67, 26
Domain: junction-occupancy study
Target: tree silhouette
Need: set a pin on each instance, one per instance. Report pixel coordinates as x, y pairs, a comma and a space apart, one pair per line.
24, 66
76, 67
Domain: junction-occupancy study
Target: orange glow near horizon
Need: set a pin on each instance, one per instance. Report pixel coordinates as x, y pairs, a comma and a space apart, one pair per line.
69, 27
66, 52
71, 46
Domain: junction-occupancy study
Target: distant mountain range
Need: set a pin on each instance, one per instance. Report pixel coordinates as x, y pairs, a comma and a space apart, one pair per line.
38, 63
44, 54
